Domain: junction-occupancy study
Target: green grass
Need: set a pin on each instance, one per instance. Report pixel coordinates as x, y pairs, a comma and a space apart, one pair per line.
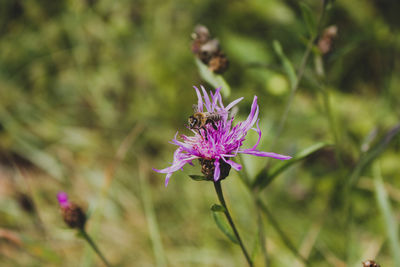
92, 91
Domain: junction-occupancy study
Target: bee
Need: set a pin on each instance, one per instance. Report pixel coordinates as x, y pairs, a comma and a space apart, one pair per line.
199, 119
370, 263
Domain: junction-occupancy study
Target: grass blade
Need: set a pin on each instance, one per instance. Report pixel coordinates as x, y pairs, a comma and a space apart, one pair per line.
309, 18
286, 64
392, 228
151, 218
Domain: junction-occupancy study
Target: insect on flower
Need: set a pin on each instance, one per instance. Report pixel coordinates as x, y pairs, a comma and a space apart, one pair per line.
199, 119
219, 142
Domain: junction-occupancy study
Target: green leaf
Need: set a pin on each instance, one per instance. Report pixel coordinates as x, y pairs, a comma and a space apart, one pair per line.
286, 64
309, 18
218, 208
198, 177
265, 177
214, 79
392, 228
223, 226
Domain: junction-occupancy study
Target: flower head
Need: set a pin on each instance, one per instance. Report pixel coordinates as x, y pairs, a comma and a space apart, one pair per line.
73, 214
216, 144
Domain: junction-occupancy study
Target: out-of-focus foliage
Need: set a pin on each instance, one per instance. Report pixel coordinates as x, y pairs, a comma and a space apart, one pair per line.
91, 91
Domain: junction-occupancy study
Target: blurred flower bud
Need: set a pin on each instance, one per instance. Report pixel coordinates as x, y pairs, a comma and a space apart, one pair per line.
73, 215
26, 203
208, 50
200, 36
326, 40
201, 33
370, 263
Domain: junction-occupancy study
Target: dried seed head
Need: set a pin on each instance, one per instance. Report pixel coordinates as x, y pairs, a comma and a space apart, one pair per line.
201, 33
326, 40
200, 36
207, 168
370, 263
218, 64
208, 50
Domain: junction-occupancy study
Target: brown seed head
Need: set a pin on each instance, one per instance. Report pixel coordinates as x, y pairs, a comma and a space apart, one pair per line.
219, 64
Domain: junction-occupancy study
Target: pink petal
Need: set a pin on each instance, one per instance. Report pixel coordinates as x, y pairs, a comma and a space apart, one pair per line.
199, 100
234, 102
215, 97
264, 154
234, 165
206, 99
259, 135
217, 171
167, 178
251, 119
176, 165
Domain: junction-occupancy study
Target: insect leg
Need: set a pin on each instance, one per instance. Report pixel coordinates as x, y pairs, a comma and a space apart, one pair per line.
205, 132
212, 123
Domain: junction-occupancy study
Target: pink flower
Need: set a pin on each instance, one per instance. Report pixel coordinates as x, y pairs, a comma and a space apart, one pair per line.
72, 214
220, 144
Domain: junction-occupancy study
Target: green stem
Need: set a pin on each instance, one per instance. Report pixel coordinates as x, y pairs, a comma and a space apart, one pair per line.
93, 246
261, 236
218, 190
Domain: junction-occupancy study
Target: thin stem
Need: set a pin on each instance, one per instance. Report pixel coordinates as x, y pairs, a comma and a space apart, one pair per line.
218, 190
261, 236
94, 247
150, 215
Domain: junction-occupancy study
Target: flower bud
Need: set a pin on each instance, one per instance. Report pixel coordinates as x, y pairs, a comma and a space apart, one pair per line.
73, 214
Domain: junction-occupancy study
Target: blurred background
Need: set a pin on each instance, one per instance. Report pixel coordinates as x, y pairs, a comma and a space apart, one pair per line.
92, 91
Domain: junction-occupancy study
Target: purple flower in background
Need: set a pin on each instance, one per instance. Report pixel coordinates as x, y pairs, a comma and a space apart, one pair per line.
72, 214
216, 144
